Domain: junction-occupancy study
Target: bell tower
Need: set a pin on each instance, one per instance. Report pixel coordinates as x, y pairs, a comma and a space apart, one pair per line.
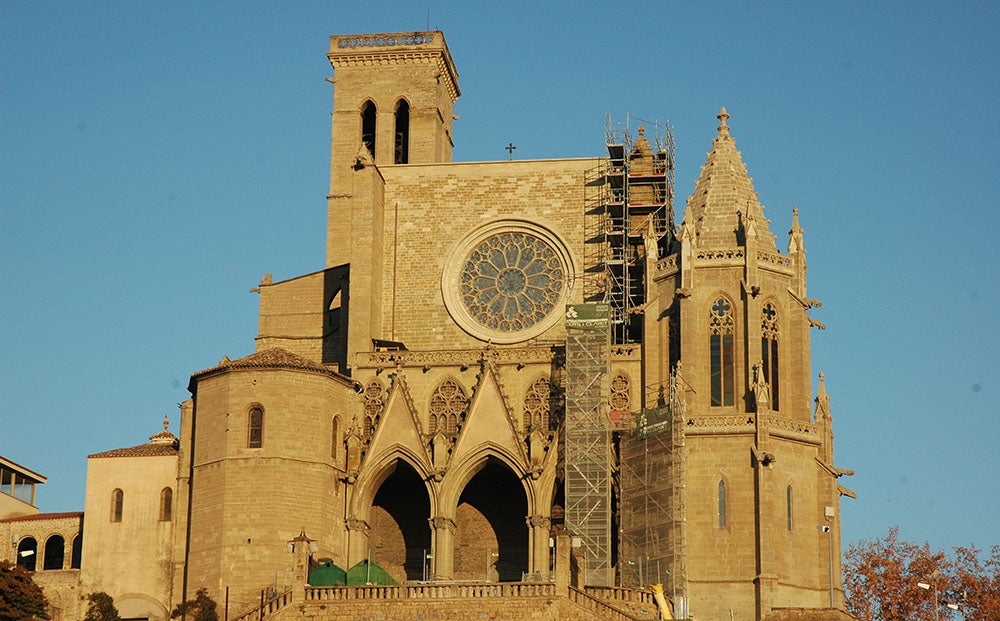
761, 525
393, 95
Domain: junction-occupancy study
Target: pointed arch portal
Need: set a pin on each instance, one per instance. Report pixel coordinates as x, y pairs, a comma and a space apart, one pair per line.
491, 535
400, 533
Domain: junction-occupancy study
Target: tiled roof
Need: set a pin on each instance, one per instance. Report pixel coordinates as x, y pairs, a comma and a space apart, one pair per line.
143, 450
44, 516
274, 358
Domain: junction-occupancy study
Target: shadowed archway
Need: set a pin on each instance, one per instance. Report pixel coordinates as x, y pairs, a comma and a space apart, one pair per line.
400, 533
491, 538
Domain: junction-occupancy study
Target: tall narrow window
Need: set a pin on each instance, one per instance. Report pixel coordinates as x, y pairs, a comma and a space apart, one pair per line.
117, 504
335, 437
255, 427
368, 127
788, 507
166, 504
55, 552
402, 146
769, 350
721, 329
722, 504
77, 553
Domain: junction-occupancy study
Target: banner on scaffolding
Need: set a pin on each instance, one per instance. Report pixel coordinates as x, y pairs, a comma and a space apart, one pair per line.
587, 317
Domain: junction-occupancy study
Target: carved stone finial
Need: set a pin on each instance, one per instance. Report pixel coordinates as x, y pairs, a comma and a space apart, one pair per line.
723, 116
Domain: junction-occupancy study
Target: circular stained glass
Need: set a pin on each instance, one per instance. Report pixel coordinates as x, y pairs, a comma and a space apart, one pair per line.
511, 281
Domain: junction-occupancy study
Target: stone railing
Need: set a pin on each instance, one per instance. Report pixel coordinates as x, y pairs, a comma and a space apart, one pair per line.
432, 590
605, 610
469, 357
621, 594
710, 424
668, 264
792, 428
776, 260
270, 607
724, 255
386, 40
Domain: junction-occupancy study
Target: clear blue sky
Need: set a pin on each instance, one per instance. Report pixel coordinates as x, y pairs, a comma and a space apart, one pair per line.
157, 158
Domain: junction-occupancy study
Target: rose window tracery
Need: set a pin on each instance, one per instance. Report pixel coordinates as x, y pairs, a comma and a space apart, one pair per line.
511, 281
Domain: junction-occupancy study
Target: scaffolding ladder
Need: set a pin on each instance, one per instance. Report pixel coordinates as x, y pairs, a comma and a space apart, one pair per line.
587, 448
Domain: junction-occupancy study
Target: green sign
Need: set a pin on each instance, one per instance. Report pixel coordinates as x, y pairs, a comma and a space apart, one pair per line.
587, 316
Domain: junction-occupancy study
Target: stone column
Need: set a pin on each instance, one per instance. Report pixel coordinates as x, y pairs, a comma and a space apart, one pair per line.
563, 550
357, 541
538, 543
300, 547
443, 545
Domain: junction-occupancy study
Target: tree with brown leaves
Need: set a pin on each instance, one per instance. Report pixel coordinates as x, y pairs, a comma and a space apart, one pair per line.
887, 579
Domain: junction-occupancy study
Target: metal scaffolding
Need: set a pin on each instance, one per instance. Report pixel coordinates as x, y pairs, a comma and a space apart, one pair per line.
588, 455
629, 197
653, 514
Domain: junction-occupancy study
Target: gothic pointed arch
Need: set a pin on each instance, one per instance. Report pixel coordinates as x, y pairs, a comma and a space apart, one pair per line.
368, 115
491, 506
398, 515
401, 133
722, 351
491, 423
398, 432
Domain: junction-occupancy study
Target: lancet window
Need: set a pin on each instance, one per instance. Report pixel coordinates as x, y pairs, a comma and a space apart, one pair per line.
255, 427
769, 350
722, 503
368, 113
448, 408
166, 504
721, 353
402, 146
788, 507
117, 504
537, 405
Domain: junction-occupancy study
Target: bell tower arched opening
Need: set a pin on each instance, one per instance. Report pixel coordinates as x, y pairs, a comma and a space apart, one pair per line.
400, 533
491, 537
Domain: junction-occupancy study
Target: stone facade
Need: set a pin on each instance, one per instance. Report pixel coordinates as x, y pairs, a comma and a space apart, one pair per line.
406, 407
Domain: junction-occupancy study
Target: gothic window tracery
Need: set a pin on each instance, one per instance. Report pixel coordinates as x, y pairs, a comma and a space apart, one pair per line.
721, 352
769, 350
620, 392
448, 408
511, 282
537, 405
374, 398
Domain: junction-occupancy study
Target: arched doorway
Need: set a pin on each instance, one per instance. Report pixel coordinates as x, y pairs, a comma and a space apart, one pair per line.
400, 534
491, 536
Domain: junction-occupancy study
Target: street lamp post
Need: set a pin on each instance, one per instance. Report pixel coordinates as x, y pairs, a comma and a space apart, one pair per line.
925, 586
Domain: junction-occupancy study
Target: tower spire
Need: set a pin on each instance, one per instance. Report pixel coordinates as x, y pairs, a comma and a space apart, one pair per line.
724, 200
795, 242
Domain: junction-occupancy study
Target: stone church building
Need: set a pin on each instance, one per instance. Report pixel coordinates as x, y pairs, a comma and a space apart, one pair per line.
518, 387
